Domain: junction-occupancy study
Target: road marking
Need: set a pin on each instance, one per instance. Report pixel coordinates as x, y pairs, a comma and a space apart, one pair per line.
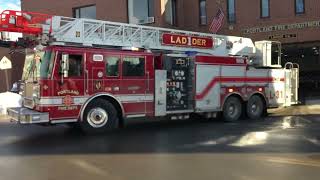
294, 162
90, 168
314, 141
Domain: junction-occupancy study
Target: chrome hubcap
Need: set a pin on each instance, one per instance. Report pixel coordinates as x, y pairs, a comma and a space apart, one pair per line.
231, 110
254, 108
97, 117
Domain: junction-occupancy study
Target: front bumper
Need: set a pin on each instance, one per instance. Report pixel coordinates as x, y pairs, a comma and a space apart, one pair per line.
24, 115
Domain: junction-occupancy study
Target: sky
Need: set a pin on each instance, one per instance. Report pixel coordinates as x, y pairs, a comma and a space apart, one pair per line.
10, 5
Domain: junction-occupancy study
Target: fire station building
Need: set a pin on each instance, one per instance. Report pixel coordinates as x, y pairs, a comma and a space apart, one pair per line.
295, 23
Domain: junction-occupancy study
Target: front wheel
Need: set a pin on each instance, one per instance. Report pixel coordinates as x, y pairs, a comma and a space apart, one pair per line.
232, 109
99, 116
255, 107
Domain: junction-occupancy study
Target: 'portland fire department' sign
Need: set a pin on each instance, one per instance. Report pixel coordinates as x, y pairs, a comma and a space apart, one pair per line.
187, 41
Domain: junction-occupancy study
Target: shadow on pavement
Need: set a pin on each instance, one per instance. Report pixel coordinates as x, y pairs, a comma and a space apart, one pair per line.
272, 134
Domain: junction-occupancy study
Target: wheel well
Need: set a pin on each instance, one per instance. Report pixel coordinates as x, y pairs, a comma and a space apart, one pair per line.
114, 102
233, 95
117, 106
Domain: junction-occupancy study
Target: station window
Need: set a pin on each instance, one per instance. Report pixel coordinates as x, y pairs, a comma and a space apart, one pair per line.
112, 66
85, 12
203, 12
171, 12
141, 11
299, 6
133, 66
231, 11
265, 8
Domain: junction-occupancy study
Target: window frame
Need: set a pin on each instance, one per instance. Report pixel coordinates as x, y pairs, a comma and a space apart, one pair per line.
80, 7
295, 7
228, 14
133, 56
149, 7
261, 8
58, 67
81, 65
174, 14
205, 12
106, 63
148, 13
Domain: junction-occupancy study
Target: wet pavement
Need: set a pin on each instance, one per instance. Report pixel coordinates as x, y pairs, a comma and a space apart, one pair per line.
284, 145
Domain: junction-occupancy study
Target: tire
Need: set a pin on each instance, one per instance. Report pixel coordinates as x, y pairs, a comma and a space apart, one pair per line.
232, 109
99, 116
255, 107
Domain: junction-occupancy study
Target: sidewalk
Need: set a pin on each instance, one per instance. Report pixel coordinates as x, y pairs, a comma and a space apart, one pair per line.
296, 110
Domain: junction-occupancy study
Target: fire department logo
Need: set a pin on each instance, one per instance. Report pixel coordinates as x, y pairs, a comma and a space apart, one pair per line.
67, 100
45, 87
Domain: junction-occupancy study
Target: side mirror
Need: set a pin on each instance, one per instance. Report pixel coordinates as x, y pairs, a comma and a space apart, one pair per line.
65, 65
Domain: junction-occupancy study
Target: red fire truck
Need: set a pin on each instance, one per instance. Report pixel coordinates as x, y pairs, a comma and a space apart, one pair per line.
97, 74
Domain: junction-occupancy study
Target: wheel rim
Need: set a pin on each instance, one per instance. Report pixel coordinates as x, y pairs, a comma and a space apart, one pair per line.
232, 110
97, 117
255, 108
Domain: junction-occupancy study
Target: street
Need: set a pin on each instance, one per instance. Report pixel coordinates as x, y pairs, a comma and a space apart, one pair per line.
284, 145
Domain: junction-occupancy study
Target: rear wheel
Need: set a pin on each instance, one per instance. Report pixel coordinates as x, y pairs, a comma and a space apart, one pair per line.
255, 107
232, 109
99, 116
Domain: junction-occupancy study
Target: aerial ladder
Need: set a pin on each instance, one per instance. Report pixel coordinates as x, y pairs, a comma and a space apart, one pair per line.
59, 30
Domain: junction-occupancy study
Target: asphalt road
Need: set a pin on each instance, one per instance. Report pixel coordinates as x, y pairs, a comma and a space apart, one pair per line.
284, 146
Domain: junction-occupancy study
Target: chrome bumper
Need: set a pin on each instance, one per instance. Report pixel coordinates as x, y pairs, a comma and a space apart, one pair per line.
24, 115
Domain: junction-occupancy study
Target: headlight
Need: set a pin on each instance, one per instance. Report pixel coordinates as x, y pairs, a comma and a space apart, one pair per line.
21, 89
36, 91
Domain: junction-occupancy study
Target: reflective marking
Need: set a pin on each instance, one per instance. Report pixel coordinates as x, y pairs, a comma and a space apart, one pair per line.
64, 121
90, 168
135, 98
79, 100
50, 101
136, 115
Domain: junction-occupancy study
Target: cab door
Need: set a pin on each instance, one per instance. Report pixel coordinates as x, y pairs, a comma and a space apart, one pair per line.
135, 86
68, 90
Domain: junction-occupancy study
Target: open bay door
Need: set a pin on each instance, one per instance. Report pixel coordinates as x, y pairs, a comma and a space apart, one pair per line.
291, 83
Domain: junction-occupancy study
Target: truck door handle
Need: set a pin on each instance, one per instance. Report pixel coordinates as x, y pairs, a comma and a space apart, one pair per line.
87, 81
148, 81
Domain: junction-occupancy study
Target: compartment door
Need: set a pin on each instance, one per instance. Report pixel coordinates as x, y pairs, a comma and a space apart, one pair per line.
160, 92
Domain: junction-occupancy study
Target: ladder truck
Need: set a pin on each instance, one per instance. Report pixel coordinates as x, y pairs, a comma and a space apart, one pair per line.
97, 74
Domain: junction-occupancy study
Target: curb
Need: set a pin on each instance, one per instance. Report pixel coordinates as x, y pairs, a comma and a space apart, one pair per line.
277, 110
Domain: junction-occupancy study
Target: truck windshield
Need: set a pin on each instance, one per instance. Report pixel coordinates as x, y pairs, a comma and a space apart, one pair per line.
46, 64
38, 65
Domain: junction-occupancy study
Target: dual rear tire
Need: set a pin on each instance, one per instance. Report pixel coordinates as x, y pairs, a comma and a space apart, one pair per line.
233, 108
255, 107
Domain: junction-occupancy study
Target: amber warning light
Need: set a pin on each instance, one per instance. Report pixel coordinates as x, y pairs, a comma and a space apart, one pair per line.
187, 41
